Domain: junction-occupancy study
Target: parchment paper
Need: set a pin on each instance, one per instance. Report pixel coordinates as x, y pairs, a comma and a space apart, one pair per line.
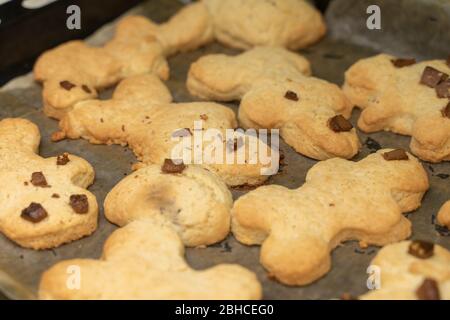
20, 269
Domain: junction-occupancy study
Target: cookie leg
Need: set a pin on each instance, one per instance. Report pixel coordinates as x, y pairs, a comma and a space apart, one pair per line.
431, 138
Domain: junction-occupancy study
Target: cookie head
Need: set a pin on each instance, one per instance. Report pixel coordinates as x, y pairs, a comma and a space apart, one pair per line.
193, 199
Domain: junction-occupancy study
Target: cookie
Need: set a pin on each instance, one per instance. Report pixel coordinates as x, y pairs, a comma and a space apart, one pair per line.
144, 260
194, 200
141, 115
443, 216
243, 24
341, 200
275, 92
44, 201
75, 71
404, 97
412, 270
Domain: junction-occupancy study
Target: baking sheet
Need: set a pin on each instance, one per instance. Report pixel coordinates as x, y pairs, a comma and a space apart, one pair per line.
21, 268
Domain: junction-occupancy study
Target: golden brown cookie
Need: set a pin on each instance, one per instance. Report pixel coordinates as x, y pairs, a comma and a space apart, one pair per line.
404, 97
276, 92
44, 201
141, 115
412, 270
145, 260
341, 200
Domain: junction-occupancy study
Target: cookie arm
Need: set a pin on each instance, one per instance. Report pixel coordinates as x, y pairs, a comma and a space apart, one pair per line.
444, 215
99, 122
189, 29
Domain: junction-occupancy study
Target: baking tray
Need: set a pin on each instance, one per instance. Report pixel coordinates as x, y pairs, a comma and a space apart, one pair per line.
21, 268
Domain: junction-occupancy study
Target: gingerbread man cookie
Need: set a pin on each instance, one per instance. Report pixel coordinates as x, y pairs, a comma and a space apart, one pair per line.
144, 260
341, 200
44, 201
242, 24
141, 115
75, 71
194, 200
404, 97
412, 270
443, 216
276, 93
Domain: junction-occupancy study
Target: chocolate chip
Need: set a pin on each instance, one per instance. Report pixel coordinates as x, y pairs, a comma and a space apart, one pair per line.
204, 117
25, 183
55, 195
123, 128
79, 203
34, 213
339, 124
400, 63
398, 154
431, 77
86, 88
62, 159
67, 85
421, 249
38, 179
171, 167
291, 95
443, 89
428, 290
186, 132
446, 111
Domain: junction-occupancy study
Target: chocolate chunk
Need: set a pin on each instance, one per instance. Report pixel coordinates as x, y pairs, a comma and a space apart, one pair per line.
443, 89
398, 154
38, 179
421, 249
204, 117
432, 77
55, 195
67, 85
291, 95
428, 290
339, 124
400, 63
171, 167
86, 88
62, 159
79, 203
34, 213
186, 132
446, 111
